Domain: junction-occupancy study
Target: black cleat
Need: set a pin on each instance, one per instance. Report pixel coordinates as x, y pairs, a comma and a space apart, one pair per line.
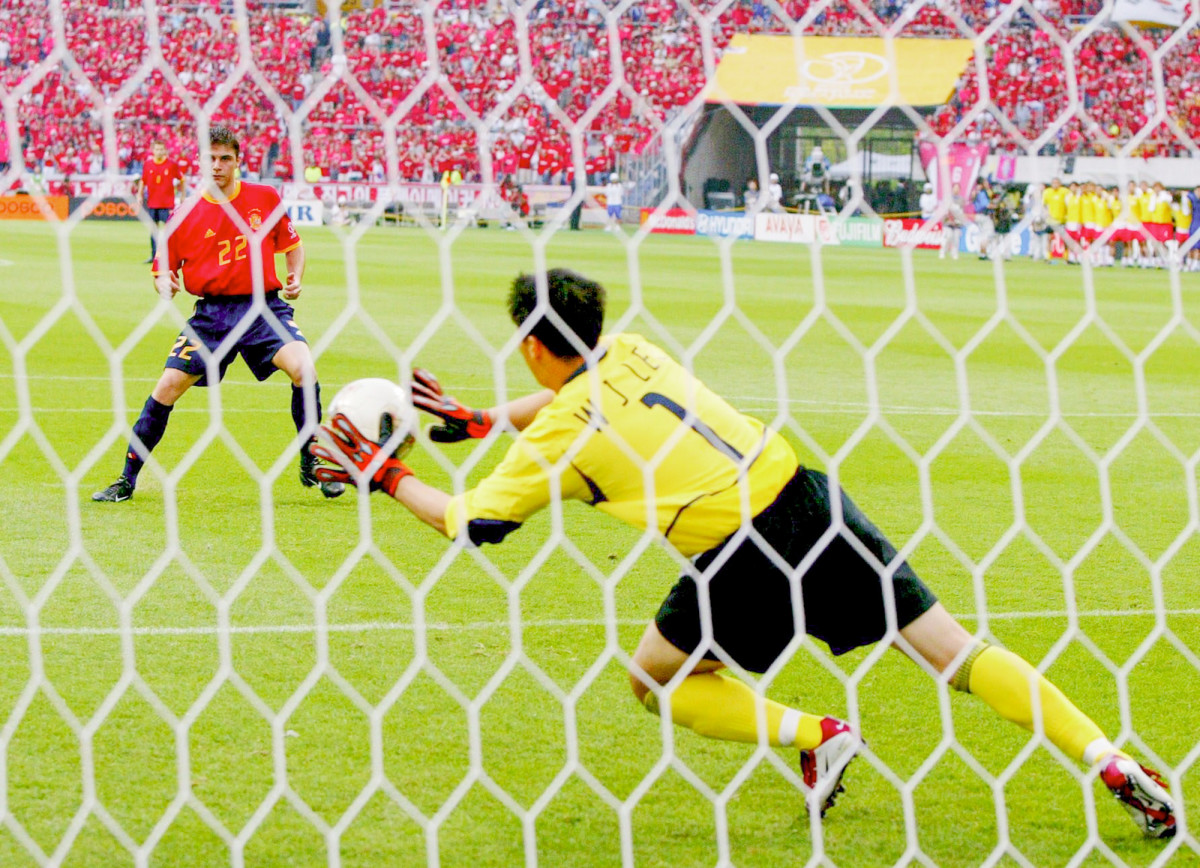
120, 490
308, 476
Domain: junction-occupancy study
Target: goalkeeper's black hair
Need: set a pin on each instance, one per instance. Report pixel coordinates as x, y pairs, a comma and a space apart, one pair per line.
578, 301
219, 134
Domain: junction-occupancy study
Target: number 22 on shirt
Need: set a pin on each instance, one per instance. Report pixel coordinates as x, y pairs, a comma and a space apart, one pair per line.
232, 250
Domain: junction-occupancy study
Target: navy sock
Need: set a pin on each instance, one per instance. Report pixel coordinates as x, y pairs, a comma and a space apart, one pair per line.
298, 414
149, 428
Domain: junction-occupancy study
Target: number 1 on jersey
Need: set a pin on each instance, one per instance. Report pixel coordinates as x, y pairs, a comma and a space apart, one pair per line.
656, 399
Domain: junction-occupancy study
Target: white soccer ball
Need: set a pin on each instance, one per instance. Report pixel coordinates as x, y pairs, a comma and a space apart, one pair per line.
380, 410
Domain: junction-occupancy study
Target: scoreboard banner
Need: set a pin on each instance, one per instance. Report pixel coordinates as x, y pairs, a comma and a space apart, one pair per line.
478, 196
34, 207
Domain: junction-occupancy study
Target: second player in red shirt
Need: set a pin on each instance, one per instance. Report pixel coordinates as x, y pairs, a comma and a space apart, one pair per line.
161, 181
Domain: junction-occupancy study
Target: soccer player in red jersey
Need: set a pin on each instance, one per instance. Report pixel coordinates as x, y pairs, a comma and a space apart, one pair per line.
211, 256
161, 180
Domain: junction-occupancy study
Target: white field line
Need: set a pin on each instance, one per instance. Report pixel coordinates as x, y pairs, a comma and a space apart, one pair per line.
749, 403
812, 406
440, 626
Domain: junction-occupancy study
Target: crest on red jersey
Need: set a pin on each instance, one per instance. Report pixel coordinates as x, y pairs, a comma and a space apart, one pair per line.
254, 218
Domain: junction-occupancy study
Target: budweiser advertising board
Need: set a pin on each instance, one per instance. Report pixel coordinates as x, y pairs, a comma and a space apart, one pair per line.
912, 233
673, 221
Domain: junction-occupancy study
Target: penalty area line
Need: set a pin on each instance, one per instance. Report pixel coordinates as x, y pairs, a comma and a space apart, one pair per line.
834, 408
744, 403
445, 627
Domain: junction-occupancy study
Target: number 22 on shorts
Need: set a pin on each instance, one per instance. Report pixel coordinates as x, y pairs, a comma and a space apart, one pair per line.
183, 352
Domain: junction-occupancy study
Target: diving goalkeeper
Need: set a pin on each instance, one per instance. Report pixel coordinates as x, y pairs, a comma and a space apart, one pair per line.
612, 406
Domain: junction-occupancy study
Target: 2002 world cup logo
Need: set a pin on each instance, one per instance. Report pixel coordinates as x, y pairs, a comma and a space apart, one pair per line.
841, 76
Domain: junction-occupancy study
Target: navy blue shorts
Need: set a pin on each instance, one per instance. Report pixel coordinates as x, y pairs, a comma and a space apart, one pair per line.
159, 215
751, 599
212, 321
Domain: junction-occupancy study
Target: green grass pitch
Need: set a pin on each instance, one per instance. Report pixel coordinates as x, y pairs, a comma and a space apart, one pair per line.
176, 677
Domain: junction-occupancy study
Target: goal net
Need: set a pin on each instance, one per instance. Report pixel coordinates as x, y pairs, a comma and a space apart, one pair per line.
838, 215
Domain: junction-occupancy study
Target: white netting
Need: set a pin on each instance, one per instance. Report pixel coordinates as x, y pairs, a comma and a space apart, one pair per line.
386, 100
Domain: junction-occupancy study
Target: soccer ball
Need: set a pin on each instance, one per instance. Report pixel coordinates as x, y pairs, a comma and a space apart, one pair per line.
380, 410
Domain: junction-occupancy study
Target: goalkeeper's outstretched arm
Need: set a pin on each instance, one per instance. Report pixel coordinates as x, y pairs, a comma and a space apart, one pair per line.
456, 421
424, 501
520, 412
350, 457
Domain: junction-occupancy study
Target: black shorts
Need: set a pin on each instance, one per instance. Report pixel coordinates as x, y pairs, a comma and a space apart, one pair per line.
215, 318
159, 215
751, 598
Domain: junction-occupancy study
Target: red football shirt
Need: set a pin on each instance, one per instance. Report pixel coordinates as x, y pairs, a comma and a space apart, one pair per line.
214, 252
159, 180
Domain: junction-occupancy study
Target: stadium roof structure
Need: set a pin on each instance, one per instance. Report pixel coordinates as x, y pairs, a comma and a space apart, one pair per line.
840, 73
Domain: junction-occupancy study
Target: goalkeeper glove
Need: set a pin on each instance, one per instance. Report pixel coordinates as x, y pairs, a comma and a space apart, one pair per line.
458, 422
360, 453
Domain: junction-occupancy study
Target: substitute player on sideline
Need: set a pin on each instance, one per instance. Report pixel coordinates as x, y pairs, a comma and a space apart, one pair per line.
702, 477
214, 257
162, 183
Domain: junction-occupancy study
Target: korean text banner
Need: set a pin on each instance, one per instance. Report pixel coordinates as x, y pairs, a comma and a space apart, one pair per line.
838, 71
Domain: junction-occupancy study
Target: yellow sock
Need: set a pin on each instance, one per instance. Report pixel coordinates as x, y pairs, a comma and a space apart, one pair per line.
1002, 680
725, 708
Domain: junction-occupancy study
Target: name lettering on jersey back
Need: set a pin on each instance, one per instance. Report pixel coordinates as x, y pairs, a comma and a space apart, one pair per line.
651, 363
590, 415
642, 366
615, 391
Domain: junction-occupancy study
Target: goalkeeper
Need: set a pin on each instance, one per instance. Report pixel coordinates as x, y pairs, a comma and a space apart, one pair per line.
613, 406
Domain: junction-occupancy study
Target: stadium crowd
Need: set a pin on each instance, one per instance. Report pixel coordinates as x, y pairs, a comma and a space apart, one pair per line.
62, 104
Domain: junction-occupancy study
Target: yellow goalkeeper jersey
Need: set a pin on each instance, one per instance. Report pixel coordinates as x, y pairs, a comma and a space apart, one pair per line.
650, 409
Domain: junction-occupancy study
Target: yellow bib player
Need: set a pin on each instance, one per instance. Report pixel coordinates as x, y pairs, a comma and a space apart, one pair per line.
1087, 211
1054, 198
622, 426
